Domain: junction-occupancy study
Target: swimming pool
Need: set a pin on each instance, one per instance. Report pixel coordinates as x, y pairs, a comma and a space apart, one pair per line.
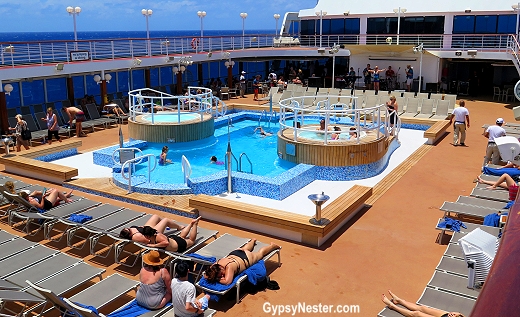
261, 151
170, 117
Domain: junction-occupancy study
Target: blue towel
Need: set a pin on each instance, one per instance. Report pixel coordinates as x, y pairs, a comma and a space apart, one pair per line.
491, 220
131, 310
211, 259
451, 224
80, 218
511, 171
509, 204
254, 273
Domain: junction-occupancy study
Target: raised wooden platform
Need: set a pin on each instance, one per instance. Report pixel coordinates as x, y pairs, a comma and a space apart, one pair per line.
281, 223
23, 163
436, 131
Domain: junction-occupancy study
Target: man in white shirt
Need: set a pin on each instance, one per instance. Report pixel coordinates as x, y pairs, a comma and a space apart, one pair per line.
242, 84
183, 294
491, 133
461, 116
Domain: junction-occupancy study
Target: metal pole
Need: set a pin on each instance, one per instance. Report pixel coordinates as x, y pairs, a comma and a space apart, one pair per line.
398, 23
243, 31
420, 67
148, 37
517, 18
333, 67
75, 32
321, 25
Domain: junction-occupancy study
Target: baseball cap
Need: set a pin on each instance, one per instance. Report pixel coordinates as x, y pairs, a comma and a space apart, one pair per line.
243, 72
500, 120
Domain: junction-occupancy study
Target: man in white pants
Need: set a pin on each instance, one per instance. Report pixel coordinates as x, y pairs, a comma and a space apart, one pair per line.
492, 132
461, 116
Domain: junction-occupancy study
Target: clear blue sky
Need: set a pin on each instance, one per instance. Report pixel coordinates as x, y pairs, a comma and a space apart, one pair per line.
125, 15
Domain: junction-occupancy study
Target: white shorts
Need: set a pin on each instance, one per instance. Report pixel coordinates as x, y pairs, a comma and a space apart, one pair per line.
409, 81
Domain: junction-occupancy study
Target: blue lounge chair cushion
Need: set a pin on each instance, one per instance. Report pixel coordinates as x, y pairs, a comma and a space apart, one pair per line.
71, 314
133, 309
255, 273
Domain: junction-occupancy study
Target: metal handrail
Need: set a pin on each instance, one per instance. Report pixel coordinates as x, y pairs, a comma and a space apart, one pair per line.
125, 149
186, 168
240, 163
130, 164
236, 161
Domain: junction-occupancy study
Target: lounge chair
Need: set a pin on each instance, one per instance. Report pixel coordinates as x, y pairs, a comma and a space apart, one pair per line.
6, 237
100, 227
426, 109
24, 259
463, 231
15, 296
111, 288
96, 118
36, 132
96, 213
13, 247
446, 301
498, 195
475, 201
412, 108
5, 285
219, 254
441, 110
452, 265
467, 210
59, 211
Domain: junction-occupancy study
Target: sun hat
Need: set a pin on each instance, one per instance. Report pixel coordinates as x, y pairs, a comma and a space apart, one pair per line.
153, 258
500, 120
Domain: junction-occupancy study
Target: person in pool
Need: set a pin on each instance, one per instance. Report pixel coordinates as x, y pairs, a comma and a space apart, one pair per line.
225, 269
335, 135
262, 132
213, 160
352, 134
162, 158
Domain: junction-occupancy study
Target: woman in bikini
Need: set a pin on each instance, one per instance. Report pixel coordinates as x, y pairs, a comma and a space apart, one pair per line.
152, 234
409, 309
46, 200
225, 269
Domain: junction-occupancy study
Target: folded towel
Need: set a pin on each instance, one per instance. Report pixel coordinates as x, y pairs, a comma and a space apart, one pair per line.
509, 204
451, 224
211, 259
131, 310
254, 273
80, 218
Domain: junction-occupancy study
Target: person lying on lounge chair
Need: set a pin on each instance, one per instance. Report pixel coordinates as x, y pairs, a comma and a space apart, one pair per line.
505, 181
409, 309
225, 269
152, 234
46, 200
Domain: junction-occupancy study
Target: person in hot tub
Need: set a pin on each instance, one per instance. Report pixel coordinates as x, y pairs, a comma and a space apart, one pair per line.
335, 135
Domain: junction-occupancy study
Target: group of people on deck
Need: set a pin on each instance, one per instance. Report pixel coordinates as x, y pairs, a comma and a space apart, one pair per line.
157, 287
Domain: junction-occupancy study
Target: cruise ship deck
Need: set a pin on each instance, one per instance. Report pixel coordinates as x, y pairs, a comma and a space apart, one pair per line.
391, 244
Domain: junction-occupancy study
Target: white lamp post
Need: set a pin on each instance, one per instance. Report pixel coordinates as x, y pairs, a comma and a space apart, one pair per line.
321, 13
74, 12
147, 13
243, 15
201, 15
276, 17
334, 50
399, 11
419, 49
516, 7
8, 88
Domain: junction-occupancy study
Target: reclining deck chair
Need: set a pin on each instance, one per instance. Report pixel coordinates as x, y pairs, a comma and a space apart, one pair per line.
14, 246
111, 288
6, 236
16, 296
24, 259
219, 254
96, 118
479, 249
468, 210
498, 195
475, 201
452, 284
446, 301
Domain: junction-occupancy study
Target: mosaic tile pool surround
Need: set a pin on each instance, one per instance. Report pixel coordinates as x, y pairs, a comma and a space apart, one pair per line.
57, 155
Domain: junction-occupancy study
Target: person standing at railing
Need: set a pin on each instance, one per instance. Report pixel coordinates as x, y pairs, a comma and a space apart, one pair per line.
392, 112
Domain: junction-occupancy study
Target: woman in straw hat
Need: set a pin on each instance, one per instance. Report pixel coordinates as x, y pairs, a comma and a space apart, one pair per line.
155, 288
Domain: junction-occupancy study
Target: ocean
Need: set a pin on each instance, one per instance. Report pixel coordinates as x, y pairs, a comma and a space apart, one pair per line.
99, 35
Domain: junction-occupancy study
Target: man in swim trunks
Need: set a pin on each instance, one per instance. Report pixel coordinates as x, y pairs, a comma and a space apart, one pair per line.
152, 234
225, 269
78, 115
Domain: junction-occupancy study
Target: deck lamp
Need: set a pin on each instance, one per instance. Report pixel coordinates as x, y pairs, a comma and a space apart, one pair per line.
276, 17
8, 88
399, 11
147, 13
74, 12
321, 13
243, 15
229, 64
202, 15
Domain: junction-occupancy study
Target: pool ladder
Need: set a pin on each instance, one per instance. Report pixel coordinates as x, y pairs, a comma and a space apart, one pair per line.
239, 162
267, 116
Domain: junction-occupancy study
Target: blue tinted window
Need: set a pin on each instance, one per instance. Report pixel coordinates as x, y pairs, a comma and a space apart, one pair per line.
337, 26
326, 26
506, 24
166, 75
486, 24
92, 86
13, 99
382, 25
122, 81
352, 26
79, 87
33, 92
112, 85
56, 89
154, 77
464, 24
308, 27
138, 79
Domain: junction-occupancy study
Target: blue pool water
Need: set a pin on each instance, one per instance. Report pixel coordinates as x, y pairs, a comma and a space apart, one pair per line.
262, 151
171, 117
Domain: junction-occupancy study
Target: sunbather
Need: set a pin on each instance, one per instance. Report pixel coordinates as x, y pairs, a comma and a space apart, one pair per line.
152, 234
155, 288
225, 269
46, 200
410, 309
504, 181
